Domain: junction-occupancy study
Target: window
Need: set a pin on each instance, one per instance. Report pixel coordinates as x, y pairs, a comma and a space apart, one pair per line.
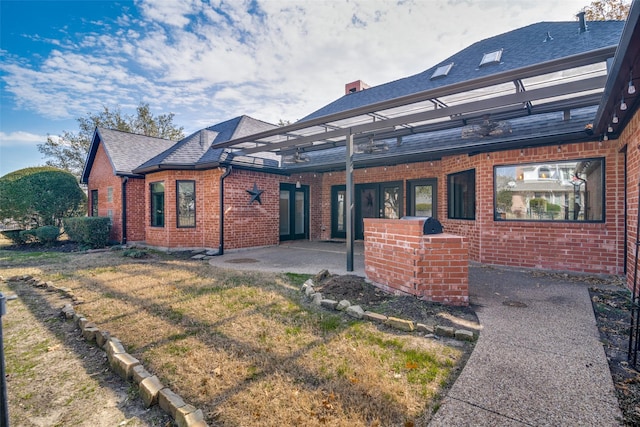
186, 200
110, 215
462, 195
550, 191
109, 194
157, 204
94, 202
442, 71
421, 198
491, 58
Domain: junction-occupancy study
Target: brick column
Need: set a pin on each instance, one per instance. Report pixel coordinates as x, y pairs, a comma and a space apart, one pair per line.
401, 260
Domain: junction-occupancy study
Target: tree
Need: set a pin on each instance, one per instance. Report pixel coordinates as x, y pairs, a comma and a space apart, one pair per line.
69, 150
39, 196
604, 10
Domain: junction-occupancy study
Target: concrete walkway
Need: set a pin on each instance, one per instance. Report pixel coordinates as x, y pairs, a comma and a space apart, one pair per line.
538, 361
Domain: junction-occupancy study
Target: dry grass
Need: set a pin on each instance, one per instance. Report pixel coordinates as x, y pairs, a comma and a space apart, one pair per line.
245, 349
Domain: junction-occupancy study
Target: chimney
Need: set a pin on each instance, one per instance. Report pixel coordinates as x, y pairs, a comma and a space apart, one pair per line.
356, 86
583, 22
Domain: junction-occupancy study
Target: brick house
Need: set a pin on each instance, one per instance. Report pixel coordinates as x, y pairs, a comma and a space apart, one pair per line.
511, 143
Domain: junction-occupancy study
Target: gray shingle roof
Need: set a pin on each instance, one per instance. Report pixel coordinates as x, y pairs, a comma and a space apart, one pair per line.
521, 47
198, 149
126, 151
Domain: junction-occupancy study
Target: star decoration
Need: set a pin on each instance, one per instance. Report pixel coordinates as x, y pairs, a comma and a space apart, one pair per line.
255, 194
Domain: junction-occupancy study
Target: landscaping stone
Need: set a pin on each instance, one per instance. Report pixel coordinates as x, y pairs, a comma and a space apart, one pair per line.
445, 331
169, 401
149, 389
309, 291
374, 317
139, 373
198, 257
316, 299
342, 305
355, 311
102, 337
89, 334
113, 346
211, 252
323, 274
402, 324
123, 363
421, 327
77, 316
329, 303
82, 322
464, 335
197, 251
189, 416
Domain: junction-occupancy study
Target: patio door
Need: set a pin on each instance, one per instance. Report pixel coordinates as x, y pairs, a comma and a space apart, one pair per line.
376, 200
294, 212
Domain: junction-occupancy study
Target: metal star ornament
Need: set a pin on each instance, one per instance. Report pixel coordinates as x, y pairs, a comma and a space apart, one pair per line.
255, 194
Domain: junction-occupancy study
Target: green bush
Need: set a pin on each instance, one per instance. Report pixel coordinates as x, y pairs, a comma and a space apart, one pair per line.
47, 234
552, 207
38, 196
28, 236
91, 231
13, 235
134, 253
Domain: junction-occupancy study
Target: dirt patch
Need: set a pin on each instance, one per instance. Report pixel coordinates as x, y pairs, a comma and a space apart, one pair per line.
358, 291
612, 307
59, 246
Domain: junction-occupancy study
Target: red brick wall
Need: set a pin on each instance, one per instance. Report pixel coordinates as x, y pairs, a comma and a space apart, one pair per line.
630, 141
135, 209
101, 178
559, 246
400, 259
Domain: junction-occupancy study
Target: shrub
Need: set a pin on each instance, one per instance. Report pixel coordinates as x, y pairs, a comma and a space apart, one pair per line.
134, 253
13, 235
91, 231
28, 236
47, 234
39, 196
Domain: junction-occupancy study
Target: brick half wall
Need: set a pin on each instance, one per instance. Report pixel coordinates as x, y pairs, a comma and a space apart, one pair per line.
399, 259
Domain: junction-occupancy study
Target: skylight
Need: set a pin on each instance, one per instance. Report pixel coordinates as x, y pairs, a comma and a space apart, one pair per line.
491, 58
442, 71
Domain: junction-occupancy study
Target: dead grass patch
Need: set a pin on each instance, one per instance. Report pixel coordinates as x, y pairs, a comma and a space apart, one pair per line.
247, 350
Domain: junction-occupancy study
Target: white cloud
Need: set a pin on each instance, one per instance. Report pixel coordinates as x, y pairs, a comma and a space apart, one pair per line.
21, 138
208, 62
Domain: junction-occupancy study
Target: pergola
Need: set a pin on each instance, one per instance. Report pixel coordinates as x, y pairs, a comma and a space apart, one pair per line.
560, 85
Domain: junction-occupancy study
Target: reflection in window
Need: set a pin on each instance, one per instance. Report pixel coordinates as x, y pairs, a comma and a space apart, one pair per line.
186, 191
391, 202
551, 191
157, 204
462, 195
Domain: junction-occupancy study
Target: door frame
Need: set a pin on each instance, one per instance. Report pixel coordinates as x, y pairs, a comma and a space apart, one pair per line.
293, 190
433, 182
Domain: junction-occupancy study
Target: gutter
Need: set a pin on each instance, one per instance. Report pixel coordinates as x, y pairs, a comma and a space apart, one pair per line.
124, 210
222, 177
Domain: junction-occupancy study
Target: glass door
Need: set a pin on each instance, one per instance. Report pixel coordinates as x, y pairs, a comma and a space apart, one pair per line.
422, 198
294, 212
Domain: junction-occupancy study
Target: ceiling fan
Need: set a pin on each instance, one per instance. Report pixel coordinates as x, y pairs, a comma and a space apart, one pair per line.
295, 157
486, 128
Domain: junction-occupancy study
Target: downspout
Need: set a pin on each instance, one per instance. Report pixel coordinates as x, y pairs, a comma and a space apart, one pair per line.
222, 177
124, 210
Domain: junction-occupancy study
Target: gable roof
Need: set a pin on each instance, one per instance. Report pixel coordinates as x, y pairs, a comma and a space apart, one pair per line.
126, 151
534, 44
198, 151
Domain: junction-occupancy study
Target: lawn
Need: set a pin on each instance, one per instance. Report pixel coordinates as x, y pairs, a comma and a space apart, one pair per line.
246, 348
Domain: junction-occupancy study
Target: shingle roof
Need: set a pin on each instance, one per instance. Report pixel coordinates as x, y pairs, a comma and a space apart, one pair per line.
521, 47
126, 151
198, 149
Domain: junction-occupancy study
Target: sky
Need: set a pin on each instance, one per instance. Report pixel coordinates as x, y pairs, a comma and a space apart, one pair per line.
210, 61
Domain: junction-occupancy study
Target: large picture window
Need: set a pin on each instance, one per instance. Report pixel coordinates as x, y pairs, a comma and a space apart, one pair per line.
157, 204
461, 192
186, 203
550, 191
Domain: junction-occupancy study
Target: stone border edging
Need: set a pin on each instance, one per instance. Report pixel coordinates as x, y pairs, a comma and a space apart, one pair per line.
357, 312
152, 391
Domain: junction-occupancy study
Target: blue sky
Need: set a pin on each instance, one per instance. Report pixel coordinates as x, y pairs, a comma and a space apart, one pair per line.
211, 61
